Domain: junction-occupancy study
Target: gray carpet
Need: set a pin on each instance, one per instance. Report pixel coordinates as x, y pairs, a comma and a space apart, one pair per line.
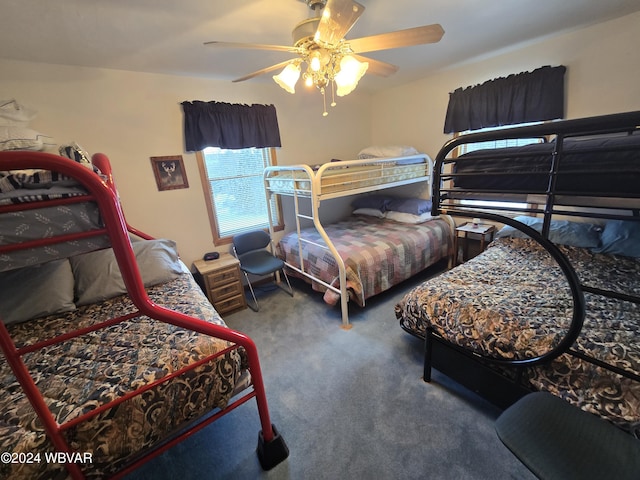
350, 404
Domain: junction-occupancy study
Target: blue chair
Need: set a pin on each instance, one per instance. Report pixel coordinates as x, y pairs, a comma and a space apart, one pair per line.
255, 259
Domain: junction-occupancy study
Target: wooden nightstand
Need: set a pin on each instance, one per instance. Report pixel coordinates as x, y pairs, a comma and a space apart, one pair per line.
481, 229
223, 284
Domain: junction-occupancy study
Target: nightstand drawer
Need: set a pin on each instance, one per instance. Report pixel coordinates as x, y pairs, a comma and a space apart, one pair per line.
219, 291
234, 303
224, 276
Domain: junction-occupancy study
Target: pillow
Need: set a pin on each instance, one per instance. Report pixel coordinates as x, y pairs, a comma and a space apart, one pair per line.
36, 291
77, 153
620, 237
416, 206
372, 201
97, 276
562, 232
12, 114
408, 217
370, 212
387, 151
22, 138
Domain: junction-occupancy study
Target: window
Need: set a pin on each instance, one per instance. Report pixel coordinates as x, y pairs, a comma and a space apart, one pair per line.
509, 142
504, 143
234, 190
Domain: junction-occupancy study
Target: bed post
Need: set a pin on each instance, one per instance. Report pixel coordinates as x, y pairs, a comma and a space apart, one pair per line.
271, 448
428, 346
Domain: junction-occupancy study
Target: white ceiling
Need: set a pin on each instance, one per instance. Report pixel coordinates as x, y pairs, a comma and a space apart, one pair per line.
166, 36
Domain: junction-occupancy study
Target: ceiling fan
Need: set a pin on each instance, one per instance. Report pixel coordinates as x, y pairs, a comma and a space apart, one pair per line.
331, 60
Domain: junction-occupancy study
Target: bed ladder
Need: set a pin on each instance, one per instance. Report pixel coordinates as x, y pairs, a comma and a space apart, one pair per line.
296, 194
342, 271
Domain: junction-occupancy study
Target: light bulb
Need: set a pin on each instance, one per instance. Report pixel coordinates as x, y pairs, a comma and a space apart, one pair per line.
315, 63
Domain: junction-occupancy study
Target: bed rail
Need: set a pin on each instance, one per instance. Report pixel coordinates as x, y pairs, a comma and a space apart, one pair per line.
550, 201
335, 180
271, 447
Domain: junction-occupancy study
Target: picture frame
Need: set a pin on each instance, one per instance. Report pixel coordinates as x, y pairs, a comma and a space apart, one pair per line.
169, 172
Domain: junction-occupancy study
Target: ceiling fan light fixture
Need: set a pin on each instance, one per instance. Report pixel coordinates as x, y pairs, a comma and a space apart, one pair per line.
288, 78
351, 71
332, 61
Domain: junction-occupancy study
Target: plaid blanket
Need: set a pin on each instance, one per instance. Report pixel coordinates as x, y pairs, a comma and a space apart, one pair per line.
378, 253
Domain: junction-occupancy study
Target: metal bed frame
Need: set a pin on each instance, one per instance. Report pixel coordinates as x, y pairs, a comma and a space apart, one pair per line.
485, 375
335, 180
271, 448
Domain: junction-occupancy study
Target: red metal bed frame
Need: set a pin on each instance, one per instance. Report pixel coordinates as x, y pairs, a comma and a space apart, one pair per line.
271, 447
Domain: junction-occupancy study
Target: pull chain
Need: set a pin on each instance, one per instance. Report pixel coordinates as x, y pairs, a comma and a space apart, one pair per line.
324, 103
333, 94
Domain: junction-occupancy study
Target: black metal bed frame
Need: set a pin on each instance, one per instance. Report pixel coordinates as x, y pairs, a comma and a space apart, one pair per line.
499, 380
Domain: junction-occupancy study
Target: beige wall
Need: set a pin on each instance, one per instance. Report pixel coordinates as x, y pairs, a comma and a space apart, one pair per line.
603, 72
134, 116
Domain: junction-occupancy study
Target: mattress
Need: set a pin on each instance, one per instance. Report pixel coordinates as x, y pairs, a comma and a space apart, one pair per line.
512, 301
19, 187
336, 178
78, 375
378, 253
594, 166
27, 225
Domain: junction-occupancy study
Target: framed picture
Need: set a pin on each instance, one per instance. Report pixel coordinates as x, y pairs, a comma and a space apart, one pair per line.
169, 172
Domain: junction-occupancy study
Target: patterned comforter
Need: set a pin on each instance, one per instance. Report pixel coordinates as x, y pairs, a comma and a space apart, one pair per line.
512, 301
79, 375
378, 253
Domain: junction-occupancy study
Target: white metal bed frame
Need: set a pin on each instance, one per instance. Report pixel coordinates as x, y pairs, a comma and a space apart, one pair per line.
302, 182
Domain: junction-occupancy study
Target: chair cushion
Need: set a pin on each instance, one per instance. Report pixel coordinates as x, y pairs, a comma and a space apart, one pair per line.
260, 262
555, 439
246, 242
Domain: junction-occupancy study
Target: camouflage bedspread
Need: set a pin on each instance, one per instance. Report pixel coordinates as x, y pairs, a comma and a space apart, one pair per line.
512, 301
378, 253
79, 375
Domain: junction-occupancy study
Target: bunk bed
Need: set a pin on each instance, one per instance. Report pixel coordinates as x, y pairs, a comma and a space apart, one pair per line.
369, 252
553, 304
111, 352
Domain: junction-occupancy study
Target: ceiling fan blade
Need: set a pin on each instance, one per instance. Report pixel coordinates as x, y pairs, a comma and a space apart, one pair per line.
337, 19
263, 71
376, 67
401, 38
256, 46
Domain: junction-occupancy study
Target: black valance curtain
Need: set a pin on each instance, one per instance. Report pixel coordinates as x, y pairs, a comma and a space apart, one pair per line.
227, 125
519, 98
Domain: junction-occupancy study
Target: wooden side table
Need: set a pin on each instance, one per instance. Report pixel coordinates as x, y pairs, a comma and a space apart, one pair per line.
223, 283
481, 229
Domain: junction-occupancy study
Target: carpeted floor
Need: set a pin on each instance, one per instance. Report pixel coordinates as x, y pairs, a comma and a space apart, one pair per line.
349, 404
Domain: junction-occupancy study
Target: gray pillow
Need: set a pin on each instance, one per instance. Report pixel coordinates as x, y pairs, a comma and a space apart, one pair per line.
97, 275
37, 291
414, 206
379, 202
562, 232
